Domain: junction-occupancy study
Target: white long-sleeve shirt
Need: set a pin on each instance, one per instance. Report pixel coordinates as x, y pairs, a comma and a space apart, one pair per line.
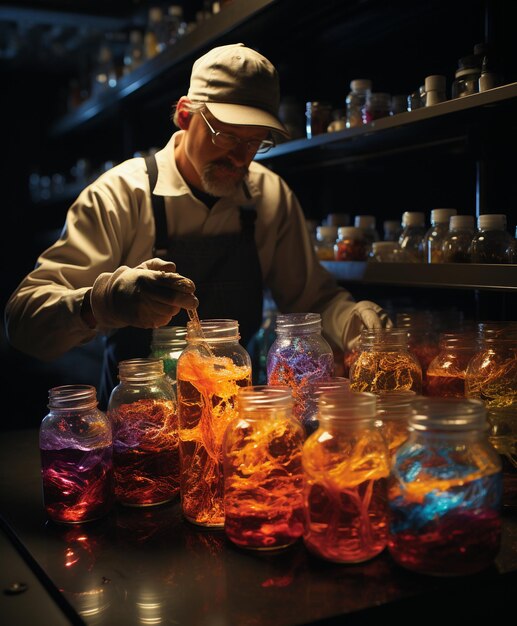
111, 224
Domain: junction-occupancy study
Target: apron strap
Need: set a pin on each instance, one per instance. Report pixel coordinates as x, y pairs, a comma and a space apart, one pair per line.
161, 241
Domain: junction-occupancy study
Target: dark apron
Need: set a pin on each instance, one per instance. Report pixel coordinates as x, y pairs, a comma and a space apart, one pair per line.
228, 278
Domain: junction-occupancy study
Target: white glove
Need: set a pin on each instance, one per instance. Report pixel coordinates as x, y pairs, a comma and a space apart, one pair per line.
363, 314
146, 296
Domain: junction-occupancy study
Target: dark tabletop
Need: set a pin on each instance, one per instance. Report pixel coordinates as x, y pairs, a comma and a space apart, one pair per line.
149, 566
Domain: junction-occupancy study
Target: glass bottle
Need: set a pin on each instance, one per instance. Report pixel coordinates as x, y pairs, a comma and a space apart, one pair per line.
456, 243
412, 238
392, 230
393, 413
75, 443
346, 466
433, 238
325, 241
492, 243
466, 77
351, 244
445, 376
445, 490
299, 357
210, 372
167, 343
263, 476
368, 225
385, 363
318, 116
142, 410
492, 377
360, 89
377, 105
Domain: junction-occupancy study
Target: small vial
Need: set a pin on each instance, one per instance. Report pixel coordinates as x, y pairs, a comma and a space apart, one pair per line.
412, 238
434, 237
325, 241
456, 243
360, 89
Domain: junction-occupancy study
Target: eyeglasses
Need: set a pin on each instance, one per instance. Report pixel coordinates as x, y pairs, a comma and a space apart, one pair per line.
225, 141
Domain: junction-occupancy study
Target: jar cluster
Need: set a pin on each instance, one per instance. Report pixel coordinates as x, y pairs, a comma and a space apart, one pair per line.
349, 467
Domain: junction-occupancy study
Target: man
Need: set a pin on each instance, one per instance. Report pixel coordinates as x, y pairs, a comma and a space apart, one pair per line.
229, 225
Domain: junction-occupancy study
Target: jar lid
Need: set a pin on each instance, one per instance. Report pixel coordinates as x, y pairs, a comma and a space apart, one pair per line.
496, 221
435, 82
448, 414
413, 218
350, 232
442, 215
360, 84
461, 221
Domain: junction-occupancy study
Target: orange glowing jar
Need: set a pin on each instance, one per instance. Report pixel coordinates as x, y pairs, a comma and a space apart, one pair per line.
210, 372
263, 476
346, 467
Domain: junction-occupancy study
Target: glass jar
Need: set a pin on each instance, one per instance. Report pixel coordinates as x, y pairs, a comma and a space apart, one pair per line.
76, 456
351, 244
318, 116
346, 466
492, 377
445, 490
393, 413
142, 410
377, 105
456, 243
412, 238
466, 77
208, 383
299, 357
317, 388
423, 338
433, 239
492, 243
263, 476
167, 343
385, 363
385, 252
360, 89
445, 376
325, 241
368, 224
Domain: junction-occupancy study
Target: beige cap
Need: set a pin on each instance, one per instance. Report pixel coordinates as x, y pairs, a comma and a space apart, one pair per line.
239, 86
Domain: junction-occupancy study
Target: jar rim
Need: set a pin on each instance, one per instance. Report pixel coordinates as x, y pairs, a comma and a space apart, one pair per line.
66, 396
264, 397
213, 331
344, 405
140, 369
448, 414
289, 322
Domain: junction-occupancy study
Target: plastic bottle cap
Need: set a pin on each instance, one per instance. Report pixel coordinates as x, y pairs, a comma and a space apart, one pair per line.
442, 215
361, 84
436, 82
364, 221
350, 232
495, 221
457, 222
413, 218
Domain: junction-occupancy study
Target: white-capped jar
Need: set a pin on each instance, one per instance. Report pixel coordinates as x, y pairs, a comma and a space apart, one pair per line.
325, 240
412, 238
456, 243
492, 243
434, 237
351, 244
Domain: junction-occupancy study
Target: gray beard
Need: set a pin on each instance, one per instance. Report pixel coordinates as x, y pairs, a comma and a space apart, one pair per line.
215, 185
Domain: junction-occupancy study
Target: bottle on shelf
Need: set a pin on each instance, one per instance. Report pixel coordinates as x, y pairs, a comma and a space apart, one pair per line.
466, 77
490, 76
385, 252
411, 239
367, 224
456, 243
435, 89
492, 243
399, 104
377, 105
433, 239
351, 244
325, 241
318, 116
360, 89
